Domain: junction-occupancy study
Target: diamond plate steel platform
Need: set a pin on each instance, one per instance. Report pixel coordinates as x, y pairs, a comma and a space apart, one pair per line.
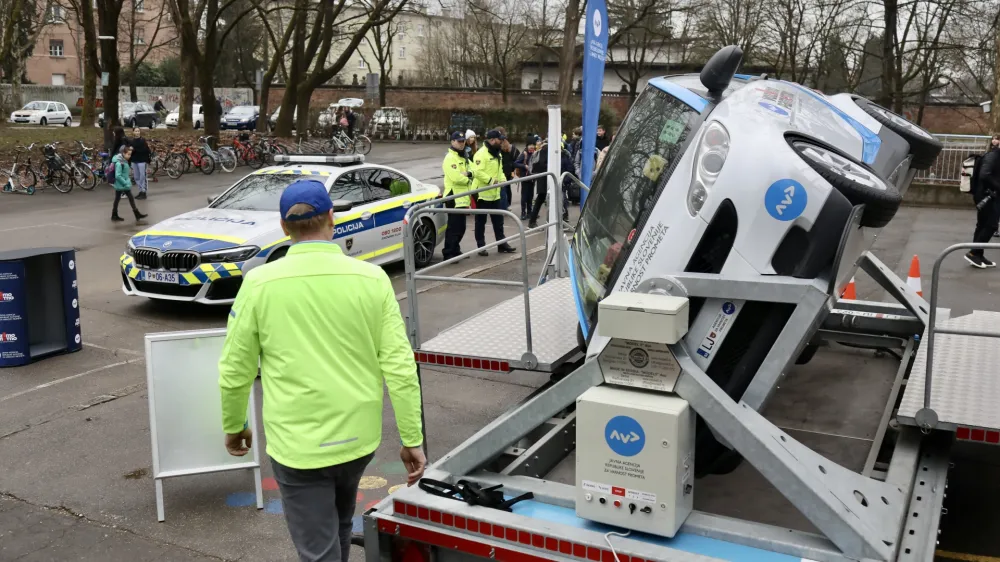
965, 390
498, 333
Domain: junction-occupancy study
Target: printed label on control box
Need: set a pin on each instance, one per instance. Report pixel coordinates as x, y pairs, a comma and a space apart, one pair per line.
720, 326
639, 364
627, 493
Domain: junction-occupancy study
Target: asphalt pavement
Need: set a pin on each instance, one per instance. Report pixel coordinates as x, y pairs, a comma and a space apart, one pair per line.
75, 457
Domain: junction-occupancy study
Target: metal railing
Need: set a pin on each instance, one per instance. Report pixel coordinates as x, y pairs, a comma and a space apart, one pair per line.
927, 418
432, 206
947, 169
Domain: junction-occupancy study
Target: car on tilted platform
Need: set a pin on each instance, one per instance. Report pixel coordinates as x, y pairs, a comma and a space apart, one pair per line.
202, 255
743, 176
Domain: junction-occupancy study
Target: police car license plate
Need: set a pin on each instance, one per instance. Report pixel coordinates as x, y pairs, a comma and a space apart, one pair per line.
160, 277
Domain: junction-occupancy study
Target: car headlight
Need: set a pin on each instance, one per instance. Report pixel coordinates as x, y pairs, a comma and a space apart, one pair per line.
240, 253
713, 148
130, 248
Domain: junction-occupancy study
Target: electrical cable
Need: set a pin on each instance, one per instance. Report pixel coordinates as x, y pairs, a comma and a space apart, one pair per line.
607, 539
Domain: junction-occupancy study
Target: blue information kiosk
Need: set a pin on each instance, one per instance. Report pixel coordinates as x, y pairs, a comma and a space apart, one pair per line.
39, 305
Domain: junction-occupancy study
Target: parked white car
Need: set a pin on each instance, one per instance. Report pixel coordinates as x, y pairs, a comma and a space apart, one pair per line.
43, 113
197, 116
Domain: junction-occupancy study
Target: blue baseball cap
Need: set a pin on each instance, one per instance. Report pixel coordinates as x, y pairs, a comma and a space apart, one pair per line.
458, 136
310, 192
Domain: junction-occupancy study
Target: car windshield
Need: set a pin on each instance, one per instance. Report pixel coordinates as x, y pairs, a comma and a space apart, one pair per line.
36, 106
640, 161
241, 111
258, 192
128, 107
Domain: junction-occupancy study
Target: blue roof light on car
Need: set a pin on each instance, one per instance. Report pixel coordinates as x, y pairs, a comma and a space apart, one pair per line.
680, 92
871, 141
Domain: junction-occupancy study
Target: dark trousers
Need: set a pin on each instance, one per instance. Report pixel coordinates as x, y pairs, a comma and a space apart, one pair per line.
453, 235
506, 196
319, 507
542, 193
987, 220
131, 201
497, 221
527, 194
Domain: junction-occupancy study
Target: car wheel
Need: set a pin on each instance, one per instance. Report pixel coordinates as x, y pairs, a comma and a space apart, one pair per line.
923, 146
197, 124
857, 182
69, 122
43, 122
424, 241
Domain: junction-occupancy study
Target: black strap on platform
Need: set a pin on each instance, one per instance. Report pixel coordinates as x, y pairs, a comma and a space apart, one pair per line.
472, 493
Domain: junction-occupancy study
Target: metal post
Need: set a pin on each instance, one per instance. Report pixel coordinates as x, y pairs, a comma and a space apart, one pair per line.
555, 237
409, 264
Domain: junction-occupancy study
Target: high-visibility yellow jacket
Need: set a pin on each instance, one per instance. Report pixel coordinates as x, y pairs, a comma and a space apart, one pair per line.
487, 170
327, 331
456, 179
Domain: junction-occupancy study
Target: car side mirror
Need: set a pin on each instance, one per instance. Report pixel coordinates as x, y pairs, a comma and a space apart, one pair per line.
212, 198
342, 205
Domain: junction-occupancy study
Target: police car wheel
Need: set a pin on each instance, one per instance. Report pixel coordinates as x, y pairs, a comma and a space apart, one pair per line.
857, 182
424, 241
923, 146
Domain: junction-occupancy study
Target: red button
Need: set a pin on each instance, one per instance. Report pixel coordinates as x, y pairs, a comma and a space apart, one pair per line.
618, 503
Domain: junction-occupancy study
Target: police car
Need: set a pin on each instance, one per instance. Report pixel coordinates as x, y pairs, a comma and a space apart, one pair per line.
202, 255
743, 176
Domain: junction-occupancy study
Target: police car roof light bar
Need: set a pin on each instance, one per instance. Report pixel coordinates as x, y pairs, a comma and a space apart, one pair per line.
336, 159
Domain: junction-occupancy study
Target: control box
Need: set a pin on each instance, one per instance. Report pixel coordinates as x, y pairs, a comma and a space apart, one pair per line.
634, 459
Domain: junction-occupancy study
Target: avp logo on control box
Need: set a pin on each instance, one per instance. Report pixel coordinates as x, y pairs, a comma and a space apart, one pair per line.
625, 436
5, 337
6, 297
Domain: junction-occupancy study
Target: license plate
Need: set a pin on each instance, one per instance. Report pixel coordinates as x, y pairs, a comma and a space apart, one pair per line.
20, 120
160, 277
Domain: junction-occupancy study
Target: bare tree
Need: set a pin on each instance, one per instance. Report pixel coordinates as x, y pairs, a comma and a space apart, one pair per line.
501, 31
647, 43
279, 45
380, 41
139, 41
732, 22
23, 22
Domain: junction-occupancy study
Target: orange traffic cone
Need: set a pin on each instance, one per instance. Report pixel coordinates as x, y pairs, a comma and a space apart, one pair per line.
913, 279
850, 292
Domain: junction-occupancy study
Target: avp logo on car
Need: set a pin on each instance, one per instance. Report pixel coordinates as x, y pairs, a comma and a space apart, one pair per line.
6, 297
6, 337
785, 200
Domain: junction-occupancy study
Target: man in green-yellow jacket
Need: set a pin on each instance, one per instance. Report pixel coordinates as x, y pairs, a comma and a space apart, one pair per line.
457, 180
487, 169
327, 331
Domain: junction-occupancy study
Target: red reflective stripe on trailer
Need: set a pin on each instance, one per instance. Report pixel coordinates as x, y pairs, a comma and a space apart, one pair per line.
978, 435
512, 535
538, 541
448, 519
499, 532
467, 362
477, 364
494, 365
473, 526
551, 544
442, 540
435, 516
411, 510
593, 553
993, 436
505, 367
459, 522
449, 361
579, 551
524, 537
485, 529
962, 433
565, 547
423, 513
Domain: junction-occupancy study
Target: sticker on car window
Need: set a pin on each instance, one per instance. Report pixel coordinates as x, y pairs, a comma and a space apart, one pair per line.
654, 167
671, 131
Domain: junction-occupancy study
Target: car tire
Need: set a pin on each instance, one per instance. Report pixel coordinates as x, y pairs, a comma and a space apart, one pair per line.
43, 122
923, 146
807, 354
197, 125
68, 122
425, 242
854, 180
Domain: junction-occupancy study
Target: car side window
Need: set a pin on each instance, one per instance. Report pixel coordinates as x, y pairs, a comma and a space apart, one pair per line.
52, 107
384, 184
348, 188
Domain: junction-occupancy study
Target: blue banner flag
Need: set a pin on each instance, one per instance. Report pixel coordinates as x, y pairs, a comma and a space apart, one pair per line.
595, 50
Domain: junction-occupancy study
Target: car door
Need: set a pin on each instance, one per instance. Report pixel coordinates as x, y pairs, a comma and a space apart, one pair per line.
63, 112
393, 194
355, 230
52, 114
148, 115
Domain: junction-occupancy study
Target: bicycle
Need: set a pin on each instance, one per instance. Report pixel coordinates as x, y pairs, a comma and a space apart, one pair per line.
224, 156
269, 148
341, 143
246, 152
59, 174
180, 162
24, 176
83, 175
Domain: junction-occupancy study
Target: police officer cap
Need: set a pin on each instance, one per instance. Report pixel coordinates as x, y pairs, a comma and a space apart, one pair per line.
457, 136
310, 192
494, 134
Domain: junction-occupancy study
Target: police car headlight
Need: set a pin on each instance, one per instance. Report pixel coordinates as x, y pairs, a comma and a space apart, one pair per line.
240, 253
130, 248
713, 148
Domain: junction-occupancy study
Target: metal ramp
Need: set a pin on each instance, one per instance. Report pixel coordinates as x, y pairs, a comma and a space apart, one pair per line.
552, 317
965, 390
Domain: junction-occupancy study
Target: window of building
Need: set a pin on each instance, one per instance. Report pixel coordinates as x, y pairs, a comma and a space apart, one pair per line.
56, 48
361, 63
140, 36
58, 79
140, 5
420, 30
402, 52
55, 14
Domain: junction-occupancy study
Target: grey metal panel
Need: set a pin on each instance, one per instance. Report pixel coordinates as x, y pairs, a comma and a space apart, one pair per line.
919, 534
496, 333
966, 387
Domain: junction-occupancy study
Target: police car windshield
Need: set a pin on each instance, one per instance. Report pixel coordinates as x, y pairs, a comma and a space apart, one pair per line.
258, 192
640, 161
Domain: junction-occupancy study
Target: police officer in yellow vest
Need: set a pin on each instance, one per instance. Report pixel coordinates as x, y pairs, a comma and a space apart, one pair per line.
457, 179
328, 334
487, 169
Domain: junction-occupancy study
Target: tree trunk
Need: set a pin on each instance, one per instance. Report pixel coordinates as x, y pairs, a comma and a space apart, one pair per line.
206, 84
108, 25
91, 64
302, 102
295, 75
381, 87
265, 114
888, 53
185, 114
995, 106
567, 55
132, 91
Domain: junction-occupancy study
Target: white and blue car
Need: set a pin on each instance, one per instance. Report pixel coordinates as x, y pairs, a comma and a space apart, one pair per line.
722, 173
202, 255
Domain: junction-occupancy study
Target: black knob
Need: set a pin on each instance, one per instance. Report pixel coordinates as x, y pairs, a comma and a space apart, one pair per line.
603, 501
647, 509
631, 508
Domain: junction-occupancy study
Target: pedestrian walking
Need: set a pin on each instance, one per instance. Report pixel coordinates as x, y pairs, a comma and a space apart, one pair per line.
522, 168
322, 376
457, 179
123, 183
351, 120
539, 165
118, 139
487, 169
509, 154
140, 159
986, 195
